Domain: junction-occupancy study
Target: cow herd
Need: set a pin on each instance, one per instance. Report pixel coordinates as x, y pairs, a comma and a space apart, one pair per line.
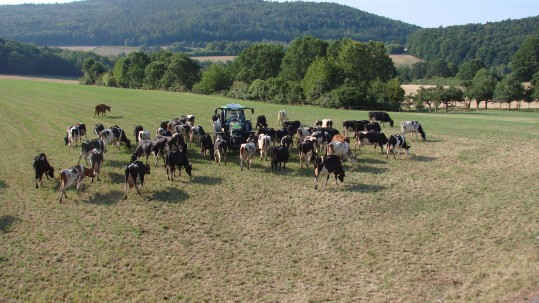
321, 144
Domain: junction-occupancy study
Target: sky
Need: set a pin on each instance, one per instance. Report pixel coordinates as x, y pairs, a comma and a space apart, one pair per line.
433, 13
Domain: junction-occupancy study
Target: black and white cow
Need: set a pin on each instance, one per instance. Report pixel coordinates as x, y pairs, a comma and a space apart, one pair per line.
176, 142
413, 127
279, 134
264, 145
164, 124
71, 176
196, 135
247, 153
279, 157
261, 122
206, 146
396, 142
380, 116
282, 116
184, 130
324, 166
373, 126
82, 131
148, 147
370, 138
287, 141
95, 159
72, 137
188, 119
220, 149
177, 158
163, 132
267, 131
303, 133
41, 166
136, 132
87, 146
134, 175
98, 129
307, 152
292, 126
348, 126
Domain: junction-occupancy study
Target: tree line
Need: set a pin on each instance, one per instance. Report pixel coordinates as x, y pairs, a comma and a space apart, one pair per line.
163, 22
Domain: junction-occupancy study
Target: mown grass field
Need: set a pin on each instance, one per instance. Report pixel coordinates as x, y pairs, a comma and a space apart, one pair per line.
455, 221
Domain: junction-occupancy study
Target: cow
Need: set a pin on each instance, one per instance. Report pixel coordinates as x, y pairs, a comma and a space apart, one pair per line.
176, 142
163, 124
206, 145
220, 149
340, 138
307, 152
163, 132
148, 147
302, 133
327, 123
279, 134
282, 116
134, 175
413, 127
324, 166
370, 138
114, 135
373, 126
292, 126
98, 129
143, 135
279, 157
95, 159
380, 116
287, 141
396, 142
136, 132
196, 135
72, 136
261, 121
82, 131
267, 131
341, 149
215, 117
71, 176
87, 146
101, 109
247, 153
348, 126
359, 125
177, 158
264, 145
184, 130
188, 119
41, 166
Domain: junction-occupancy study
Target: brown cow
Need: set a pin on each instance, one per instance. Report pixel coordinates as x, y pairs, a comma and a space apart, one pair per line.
101, 109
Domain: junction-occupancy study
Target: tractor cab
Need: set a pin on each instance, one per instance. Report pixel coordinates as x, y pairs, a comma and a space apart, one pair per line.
234, 123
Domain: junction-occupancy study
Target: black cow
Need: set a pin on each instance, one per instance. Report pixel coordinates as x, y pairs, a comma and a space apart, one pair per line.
348, 126
287, 141
138, 129
206, 145
327, 165
41, 166
292, 126
279, 156
261, 122
396, 142
134, 175
279, 134
148, 147
370, 138
267, 131
177, 158
163, 124
82, 131
176, 142
98, 129
380, 116
95, 158
373, 126
87, 146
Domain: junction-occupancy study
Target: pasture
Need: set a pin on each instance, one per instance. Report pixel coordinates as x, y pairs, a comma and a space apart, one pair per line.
455, 221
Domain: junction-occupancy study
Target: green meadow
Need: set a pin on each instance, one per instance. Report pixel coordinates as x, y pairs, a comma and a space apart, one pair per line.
457, 220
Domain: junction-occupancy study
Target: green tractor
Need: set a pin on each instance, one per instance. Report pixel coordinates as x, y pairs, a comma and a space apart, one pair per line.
236, 128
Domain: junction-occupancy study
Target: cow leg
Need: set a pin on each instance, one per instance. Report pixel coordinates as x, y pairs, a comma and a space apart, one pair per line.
316, 182
327, 179
125, 197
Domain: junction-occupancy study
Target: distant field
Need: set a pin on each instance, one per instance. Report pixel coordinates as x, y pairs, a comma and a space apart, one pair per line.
399, 60
455, 221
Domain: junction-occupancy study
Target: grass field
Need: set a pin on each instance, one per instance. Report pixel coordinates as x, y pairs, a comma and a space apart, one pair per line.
455, 221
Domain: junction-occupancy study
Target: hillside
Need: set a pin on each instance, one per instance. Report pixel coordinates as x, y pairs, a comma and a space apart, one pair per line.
136, 22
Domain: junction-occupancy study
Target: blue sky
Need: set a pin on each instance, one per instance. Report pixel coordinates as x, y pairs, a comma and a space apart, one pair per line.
431, 13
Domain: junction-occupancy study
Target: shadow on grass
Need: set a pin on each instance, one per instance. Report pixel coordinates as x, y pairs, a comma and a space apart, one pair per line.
115, 163
423, 158
372, 169
3, 184
113, 117
207, 180
116, 177
170, 195
6, 222
108, 198
373, 161
362, 187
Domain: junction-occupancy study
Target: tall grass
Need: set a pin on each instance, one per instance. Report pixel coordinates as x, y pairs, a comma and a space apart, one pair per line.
455, 221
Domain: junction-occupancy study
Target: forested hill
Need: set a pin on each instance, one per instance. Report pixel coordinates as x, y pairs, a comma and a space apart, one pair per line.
157, 22
493, 43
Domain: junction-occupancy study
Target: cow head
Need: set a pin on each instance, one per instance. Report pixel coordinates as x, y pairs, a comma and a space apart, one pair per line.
391, 123
50, 172
340, 176
189, 169
66, 140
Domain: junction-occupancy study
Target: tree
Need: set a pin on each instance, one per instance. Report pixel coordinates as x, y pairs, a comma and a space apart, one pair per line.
451, 94
299, 55
318, 79
182, 73
259, 61
482, 89
438, 68
153, 73
91, 70
215, 79
508, 90
525, 61
468, 69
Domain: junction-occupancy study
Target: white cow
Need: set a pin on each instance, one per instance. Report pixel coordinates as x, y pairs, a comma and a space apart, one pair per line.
264, 144
247, 153
282, 116
220, 149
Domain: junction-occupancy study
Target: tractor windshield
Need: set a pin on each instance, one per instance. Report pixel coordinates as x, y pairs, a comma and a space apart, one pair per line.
235, 115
